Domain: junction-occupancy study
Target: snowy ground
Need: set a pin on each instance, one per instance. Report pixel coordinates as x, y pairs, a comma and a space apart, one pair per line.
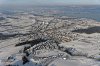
88, 44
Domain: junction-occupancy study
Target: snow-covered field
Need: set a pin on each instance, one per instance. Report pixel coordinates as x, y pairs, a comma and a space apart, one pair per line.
49, 41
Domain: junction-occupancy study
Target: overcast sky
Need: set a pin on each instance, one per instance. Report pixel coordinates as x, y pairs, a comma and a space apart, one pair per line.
58, 2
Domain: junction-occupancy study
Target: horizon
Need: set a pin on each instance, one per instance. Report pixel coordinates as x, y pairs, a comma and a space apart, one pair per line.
49, 2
